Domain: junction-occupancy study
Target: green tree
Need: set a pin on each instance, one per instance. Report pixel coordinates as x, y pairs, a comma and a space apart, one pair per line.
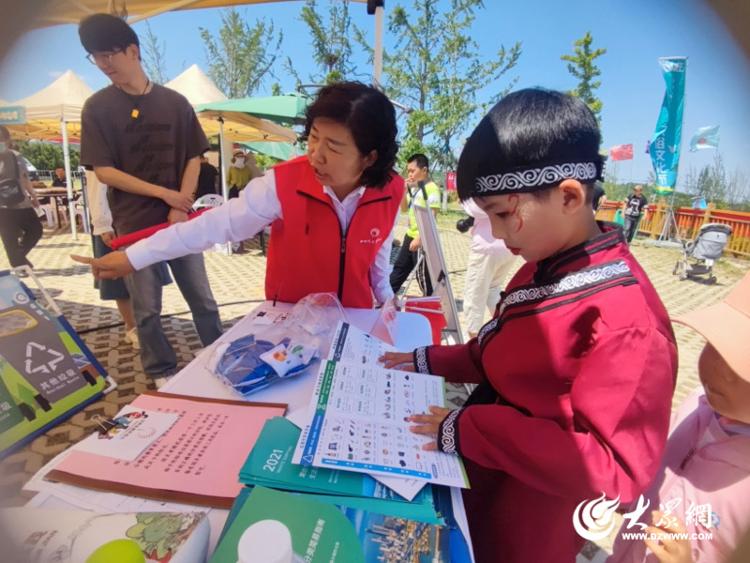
437, 70
154, 55
330, 40
737, 192
47, 156
582, 65
241, 57
711, 182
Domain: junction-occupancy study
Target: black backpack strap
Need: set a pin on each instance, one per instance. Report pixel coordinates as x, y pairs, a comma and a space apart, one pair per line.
421, 187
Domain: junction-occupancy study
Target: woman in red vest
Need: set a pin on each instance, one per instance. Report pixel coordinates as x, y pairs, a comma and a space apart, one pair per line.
331, 212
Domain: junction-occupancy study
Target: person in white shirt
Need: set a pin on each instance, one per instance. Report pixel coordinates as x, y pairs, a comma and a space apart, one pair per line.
488, 265
101, 238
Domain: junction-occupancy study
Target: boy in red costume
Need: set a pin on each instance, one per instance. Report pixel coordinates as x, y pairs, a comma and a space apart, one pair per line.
576, 370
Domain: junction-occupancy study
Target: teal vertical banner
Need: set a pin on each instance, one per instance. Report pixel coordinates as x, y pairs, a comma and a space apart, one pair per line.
665, 144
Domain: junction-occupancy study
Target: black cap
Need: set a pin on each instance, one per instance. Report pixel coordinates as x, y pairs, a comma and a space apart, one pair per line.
105, 32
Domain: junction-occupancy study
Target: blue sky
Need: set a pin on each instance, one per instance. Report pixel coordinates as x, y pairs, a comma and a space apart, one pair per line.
634, 33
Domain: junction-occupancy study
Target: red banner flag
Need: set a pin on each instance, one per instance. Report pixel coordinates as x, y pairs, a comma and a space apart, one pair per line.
621, 152
450, 181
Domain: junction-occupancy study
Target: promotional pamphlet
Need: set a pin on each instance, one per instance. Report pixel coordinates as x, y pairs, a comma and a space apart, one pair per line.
359, 423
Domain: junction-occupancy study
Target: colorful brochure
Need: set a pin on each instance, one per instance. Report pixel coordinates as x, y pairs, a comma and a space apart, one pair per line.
359, 424
71, 536
196, 461
267, 525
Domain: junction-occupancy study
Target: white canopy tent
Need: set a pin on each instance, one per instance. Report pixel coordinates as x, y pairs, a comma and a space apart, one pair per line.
196, 87
230, 125
55, 111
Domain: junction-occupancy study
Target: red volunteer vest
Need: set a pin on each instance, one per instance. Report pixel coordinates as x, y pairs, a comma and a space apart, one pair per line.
310, 253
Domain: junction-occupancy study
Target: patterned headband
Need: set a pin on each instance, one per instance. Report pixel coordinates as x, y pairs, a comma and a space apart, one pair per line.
532, 179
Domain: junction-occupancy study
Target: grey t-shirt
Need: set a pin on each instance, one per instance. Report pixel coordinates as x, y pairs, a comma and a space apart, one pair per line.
23, 175
154, 147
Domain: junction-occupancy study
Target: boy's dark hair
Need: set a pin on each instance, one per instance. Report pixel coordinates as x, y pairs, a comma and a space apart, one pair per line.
105, 32
371, 118
4, 133
528, 141
420, 159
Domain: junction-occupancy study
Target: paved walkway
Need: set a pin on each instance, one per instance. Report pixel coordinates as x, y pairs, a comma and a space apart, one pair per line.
237, 283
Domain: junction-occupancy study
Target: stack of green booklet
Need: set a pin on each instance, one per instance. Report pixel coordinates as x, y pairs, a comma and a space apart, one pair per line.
267, 525
269, 465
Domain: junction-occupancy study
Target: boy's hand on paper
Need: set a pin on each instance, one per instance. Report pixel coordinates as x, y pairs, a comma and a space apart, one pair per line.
667, 548
112, 266
403, 361
429, 424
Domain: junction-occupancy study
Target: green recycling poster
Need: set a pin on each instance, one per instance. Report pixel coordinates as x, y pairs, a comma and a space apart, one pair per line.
45, 374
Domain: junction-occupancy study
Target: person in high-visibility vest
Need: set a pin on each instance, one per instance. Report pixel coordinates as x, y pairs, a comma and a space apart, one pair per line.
425, 193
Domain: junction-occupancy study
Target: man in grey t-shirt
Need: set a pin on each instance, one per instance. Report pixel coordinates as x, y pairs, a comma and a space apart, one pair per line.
144, 141
20, 228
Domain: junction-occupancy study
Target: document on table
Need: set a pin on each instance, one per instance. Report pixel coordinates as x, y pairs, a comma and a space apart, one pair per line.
359, 424
127, 435
353, 345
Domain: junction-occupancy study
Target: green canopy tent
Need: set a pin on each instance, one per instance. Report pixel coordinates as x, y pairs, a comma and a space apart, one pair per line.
285, 110
236, 113
279, 151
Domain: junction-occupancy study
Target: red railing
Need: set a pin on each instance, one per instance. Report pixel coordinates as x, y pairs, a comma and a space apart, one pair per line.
689, 221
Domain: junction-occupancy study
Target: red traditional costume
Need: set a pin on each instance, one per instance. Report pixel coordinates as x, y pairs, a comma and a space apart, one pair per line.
577, 369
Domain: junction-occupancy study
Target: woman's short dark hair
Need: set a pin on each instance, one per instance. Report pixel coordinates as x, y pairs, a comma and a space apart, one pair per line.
371, 118
529, 128
105, 32
4, 133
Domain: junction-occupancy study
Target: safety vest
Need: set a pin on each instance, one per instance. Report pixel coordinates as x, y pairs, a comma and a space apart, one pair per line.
310, 252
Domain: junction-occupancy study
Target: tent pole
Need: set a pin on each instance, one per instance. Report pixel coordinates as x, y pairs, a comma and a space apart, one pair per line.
224, 187
69, 179
377, 61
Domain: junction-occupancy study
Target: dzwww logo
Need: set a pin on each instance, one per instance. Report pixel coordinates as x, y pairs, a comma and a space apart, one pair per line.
690, 536
595, 519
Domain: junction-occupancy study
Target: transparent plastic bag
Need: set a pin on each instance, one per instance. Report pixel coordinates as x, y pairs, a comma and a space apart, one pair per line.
283, 350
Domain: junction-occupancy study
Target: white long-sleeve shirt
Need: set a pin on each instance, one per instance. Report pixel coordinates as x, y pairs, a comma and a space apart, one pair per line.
101, 216
243, 217
482, 241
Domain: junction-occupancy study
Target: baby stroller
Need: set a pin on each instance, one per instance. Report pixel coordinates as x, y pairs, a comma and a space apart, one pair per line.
698, 256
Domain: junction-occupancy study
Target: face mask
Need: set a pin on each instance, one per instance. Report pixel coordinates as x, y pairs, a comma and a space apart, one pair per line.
239, 162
